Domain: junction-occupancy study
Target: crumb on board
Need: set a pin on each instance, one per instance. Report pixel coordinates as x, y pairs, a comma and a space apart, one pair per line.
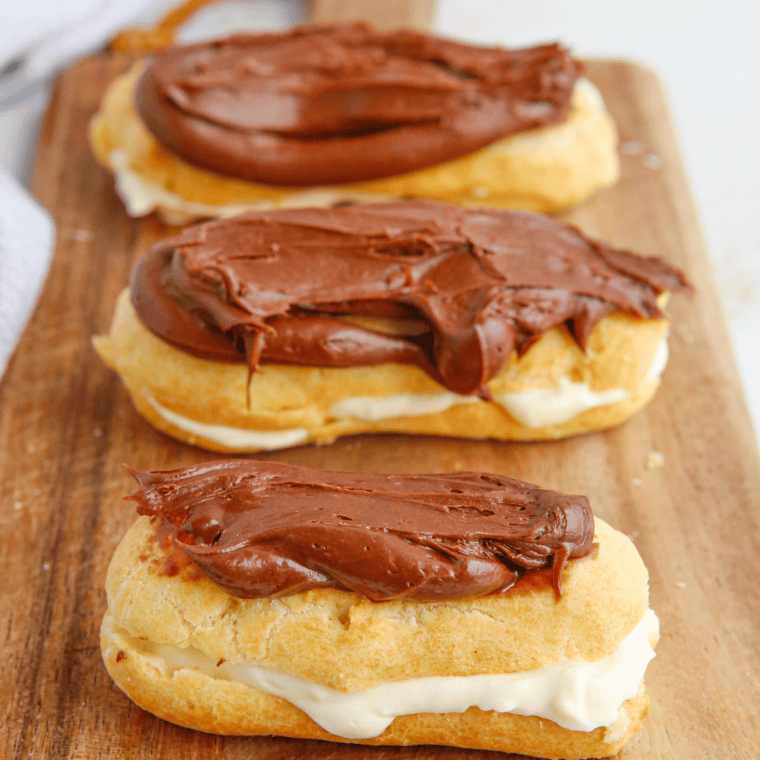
98, 432
654, 460
636, 481
680, 584
685, 335
632, 148
80, 235
18, 506
652, 161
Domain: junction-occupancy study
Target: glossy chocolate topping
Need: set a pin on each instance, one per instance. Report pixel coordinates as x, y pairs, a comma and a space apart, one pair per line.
331, 104
276, 287
260, 529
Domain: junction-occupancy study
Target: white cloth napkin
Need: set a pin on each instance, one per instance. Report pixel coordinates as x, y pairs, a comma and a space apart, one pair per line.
27, 235
38, 37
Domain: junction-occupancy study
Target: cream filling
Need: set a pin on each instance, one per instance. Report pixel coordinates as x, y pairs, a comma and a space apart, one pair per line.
533, 409
660, 361
537, 408
373, 408
234, 438
553, 406
576, 694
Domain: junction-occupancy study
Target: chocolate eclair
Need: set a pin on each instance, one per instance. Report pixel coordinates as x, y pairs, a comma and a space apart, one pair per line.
468, 609
319, 115
284, 327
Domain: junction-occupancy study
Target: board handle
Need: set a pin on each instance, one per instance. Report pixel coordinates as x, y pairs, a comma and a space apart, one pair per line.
384, 14
142, 40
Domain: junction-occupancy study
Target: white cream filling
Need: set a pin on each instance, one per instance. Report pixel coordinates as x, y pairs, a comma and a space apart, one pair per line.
660, 361
234, 438
374, 408
575, 694
536, 408
553, 406
533, 409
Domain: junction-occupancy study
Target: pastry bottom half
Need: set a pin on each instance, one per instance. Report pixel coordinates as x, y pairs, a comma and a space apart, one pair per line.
552, 391
172, 642
543, 169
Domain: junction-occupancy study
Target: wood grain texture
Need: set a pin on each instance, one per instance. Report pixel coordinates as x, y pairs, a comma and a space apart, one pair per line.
66, 427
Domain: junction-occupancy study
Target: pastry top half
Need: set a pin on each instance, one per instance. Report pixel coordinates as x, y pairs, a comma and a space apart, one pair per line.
264, 562
451, 291
264, 119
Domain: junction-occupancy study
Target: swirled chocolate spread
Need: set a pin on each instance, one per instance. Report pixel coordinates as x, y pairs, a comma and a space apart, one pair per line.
261, 529
332, 104
278, 286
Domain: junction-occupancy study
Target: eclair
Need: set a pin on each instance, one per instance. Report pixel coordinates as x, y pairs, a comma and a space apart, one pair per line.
325, 115
469, 609
285, 327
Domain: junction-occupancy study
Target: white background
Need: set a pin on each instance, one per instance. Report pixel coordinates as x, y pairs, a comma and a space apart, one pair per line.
707, 55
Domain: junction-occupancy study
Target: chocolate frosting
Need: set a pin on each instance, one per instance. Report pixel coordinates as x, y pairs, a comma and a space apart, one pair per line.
263, 529
331, 104
275, 287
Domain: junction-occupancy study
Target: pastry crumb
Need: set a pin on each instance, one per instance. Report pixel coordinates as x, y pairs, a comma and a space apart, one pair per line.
18, 506
80, 235
98, 432
652, 161
636, 481
680, 584
654, 460
481, 192
685, 335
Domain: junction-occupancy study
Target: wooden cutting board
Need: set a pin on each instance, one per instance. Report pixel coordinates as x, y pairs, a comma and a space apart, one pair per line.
67, 426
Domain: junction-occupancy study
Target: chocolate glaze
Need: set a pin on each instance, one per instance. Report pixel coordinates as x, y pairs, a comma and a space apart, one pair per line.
263, 529
273, 286
331, 104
